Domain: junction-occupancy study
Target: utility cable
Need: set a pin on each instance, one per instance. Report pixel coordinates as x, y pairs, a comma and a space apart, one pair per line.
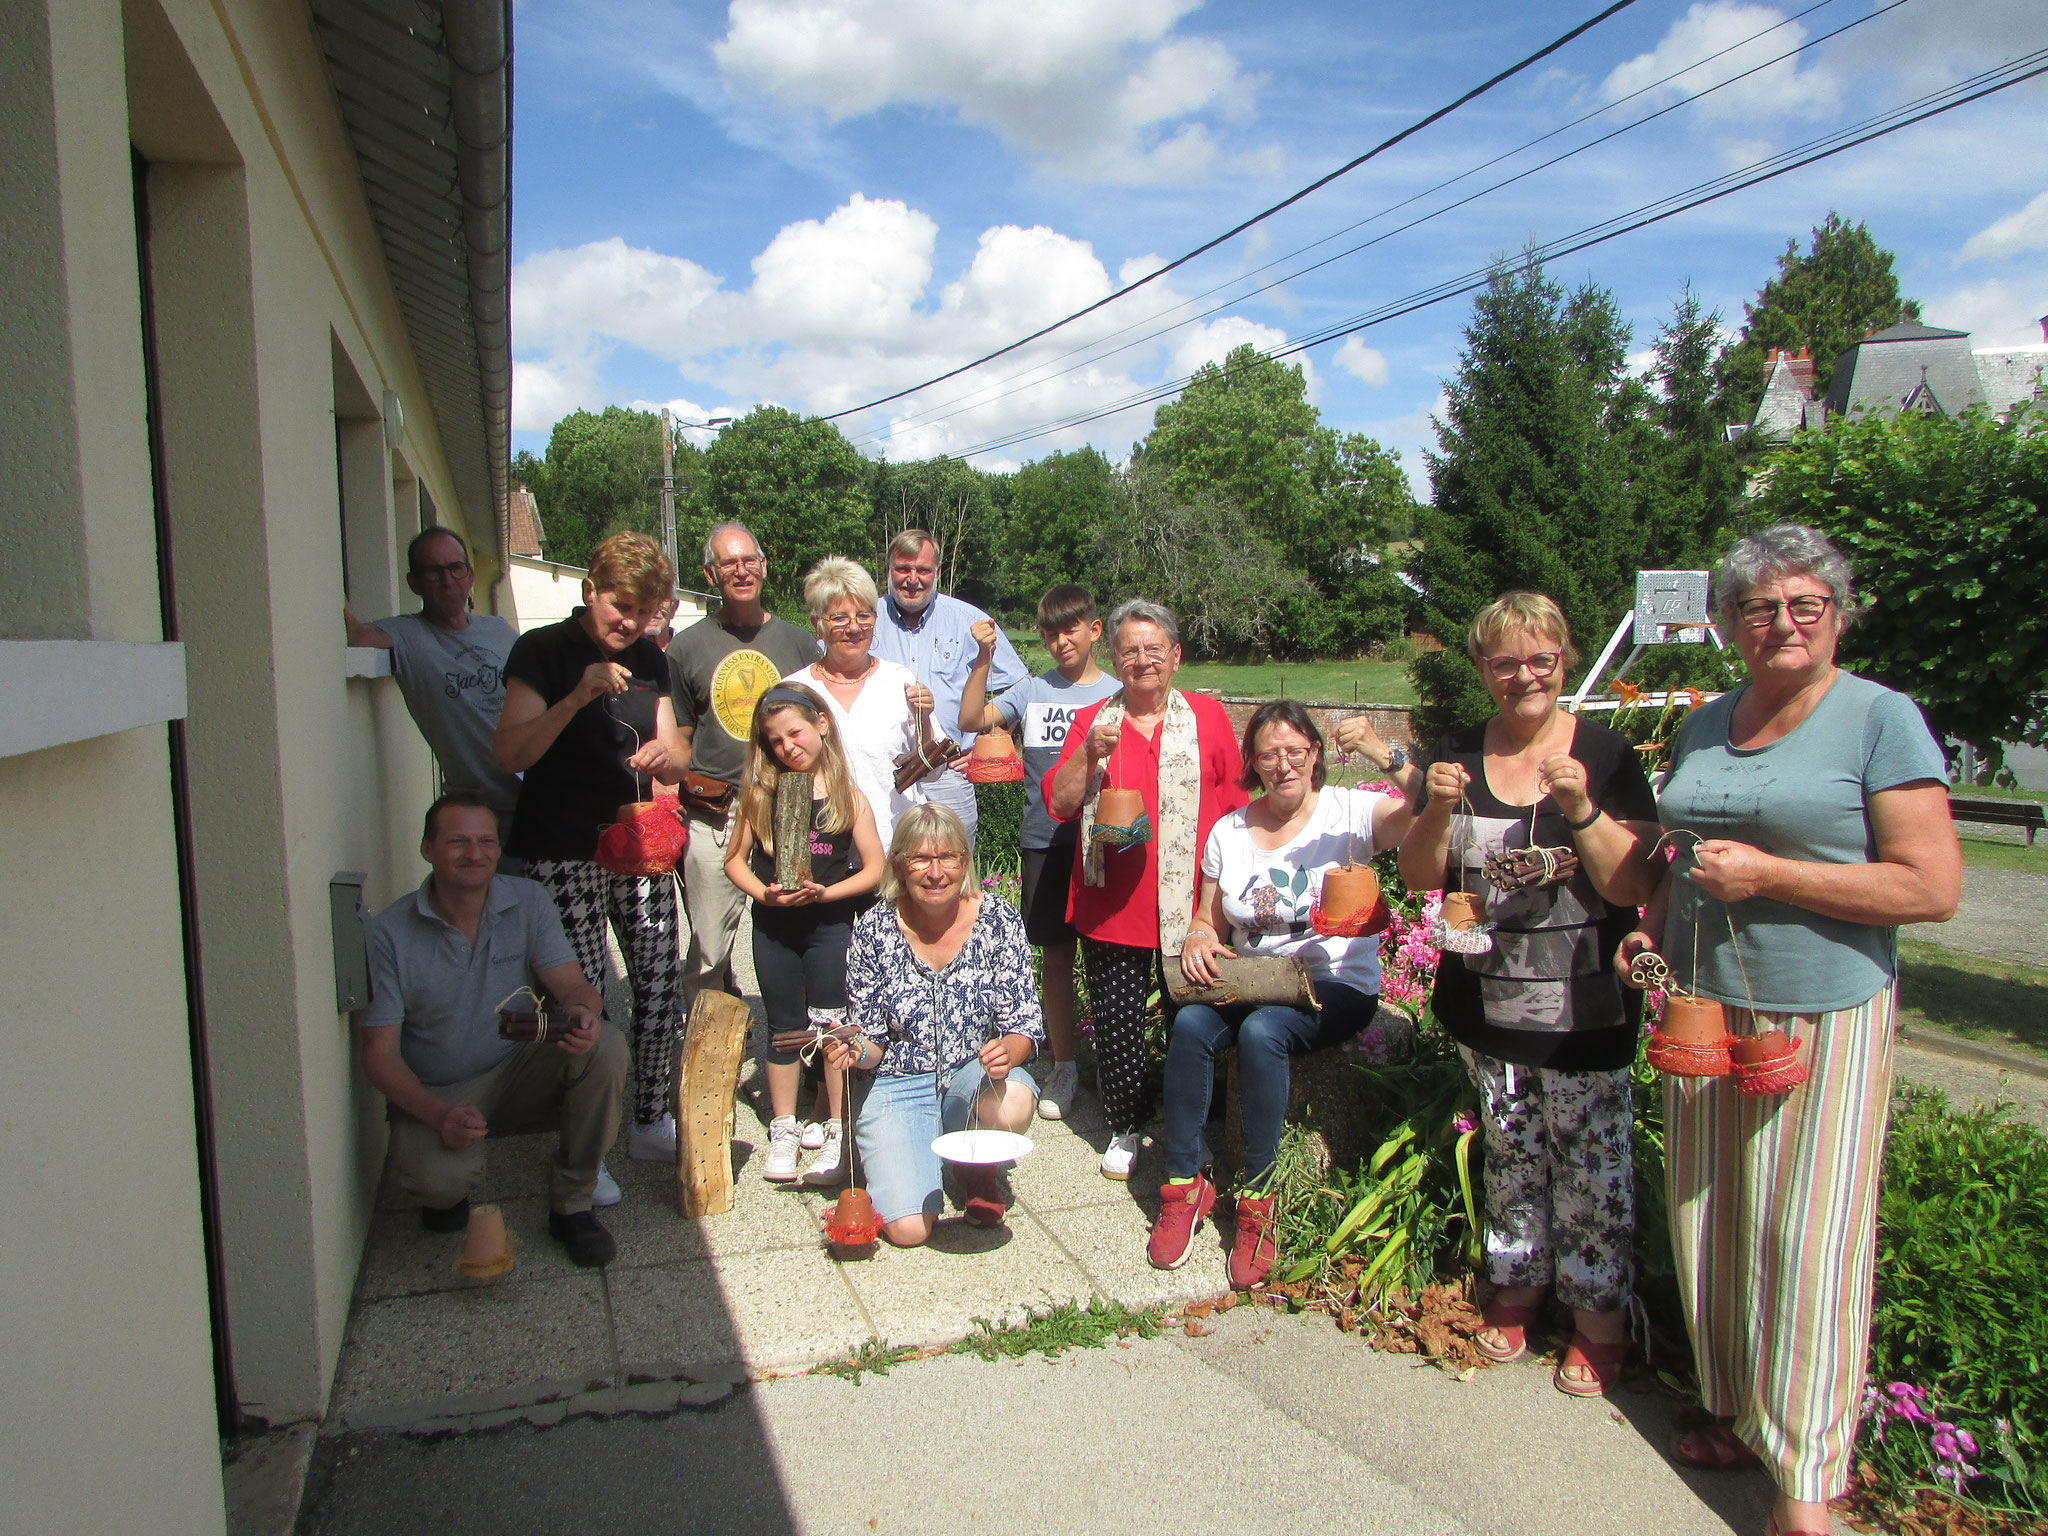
1239, 228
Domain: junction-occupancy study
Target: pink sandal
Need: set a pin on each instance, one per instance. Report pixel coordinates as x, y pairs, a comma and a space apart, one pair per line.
1603, 1360
1511, 1321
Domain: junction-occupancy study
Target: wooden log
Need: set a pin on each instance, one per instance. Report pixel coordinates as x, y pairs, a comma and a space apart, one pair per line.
712, 1052
792, 830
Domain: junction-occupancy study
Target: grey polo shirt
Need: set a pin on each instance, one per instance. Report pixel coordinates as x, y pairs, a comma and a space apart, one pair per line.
443, 991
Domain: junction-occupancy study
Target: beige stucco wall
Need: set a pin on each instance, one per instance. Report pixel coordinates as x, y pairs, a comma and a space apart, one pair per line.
270, 288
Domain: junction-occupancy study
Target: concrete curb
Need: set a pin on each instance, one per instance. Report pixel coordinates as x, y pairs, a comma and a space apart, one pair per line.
1942, 1044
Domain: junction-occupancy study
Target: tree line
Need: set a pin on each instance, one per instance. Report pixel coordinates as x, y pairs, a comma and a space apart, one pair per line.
1557, 467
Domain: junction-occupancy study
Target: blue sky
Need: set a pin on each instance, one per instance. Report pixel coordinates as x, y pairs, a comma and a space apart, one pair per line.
817, 202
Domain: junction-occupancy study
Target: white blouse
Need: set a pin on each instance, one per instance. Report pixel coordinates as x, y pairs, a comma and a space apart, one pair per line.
877, 730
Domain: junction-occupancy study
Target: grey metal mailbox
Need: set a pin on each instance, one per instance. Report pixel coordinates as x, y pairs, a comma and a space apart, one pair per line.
351, 951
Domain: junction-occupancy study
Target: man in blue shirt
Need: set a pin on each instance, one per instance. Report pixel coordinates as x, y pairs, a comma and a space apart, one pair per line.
931, 634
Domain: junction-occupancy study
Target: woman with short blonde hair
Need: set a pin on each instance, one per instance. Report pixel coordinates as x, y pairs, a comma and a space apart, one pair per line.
1549, 818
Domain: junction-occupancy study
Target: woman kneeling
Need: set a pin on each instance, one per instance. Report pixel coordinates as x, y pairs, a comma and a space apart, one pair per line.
938, 984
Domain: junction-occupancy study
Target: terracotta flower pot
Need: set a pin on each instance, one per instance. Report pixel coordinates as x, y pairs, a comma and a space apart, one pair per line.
853, 1223
646, 837
1119, 807
994, 742
486, 1251
1463, 909
994, 759
1350, 905
1692, 1040
1767, 1063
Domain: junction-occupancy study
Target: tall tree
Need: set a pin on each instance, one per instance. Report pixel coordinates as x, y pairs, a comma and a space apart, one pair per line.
1532, 483
602, 473
947, 498
1691, 485
1056, 508
1824, 301
1246, 430
1941, 517
795, 481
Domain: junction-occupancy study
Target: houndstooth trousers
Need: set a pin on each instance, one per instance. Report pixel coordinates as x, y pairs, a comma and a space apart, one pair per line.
642, 910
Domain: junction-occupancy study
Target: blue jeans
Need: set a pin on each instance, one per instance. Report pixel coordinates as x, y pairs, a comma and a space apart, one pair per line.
899, 1120
1265, 1038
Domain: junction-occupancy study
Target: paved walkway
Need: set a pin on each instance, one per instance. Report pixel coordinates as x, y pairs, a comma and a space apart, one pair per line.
2004, 916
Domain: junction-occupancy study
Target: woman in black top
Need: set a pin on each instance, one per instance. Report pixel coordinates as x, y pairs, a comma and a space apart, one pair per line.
587, 720
1541, 1020
800, 936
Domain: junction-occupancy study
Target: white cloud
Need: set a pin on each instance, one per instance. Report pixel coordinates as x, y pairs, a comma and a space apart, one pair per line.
1366, 364
1096, 91
1995, 314
2024, 229
1777, 90
846, 308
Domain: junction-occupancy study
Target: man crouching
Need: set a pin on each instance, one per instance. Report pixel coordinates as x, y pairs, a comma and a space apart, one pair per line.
442, 961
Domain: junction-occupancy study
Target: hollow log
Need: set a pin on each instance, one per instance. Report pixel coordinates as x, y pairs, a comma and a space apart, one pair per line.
712, 1051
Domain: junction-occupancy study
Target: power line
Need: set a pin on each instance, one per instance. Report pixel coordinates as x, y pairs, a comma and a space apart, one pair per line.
945, 411
2032, 66
1237, 229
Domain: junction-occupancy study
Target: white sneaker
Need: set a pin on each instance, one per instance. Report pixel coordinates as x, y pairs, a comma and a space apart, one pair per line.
829, 1166
1122, 1153
1059, 1091
814, 1135
607, 1191
653, 1143
784, 1147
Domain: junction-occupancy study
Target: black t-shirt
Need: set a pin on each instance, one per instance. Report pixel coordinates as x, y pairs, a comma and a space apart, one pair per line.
833, 859
581, 781
1546, 994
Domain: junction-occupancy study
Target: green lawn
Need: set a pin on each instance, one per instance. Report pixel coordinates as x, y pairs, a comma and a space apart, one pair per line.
1981, 852
1997, 1001
1336, 682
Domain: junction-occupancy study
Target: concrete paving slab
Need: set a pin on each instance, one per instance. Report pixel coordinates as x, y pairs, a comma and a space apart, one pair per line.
772, 1310
936, 1294
404, 1259
1108, 1241
650, 1230
493, 1340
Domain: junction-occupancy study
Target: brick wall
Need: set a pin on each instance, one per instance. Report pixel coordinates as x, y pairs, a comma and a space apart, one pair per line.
1394, 723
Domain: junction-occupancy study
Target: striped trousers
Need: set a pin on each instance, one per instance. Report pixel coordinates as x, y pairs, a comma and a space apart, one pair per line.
1774, 1223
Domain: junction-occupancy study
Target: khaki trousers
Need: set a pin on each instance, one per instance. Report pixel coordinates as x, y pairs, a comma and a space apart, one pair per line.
712, 904
535, 1088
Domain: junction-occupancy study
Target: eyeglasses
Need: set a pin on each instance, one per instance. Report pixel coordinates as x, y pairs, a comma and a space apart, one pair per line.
1504, 668
847, 621
740, 563
924, 863
1272, 757
1144, 653
454, 570
1762, 612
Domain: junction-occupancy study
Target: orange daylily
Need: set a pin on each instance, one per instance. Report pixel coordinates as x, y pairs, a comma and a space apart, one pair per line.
1629, 692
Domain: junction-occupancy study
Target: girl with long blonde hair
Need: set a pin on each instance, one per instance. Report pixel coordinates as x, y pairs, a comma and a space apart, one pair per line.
800, 934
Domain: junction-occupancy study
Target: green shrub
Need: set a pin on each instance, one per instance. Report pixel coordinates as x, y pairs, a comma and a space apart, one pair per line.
997, 846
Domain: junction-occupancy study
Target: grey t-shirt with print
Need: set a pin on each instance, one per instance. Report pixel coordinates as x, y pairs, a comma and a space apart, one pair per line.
716, 675
454, 686
1039, 710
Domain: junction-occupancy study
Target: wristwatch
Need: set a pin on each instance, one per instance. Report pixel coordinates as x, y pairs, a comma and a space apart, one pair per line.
1398, 761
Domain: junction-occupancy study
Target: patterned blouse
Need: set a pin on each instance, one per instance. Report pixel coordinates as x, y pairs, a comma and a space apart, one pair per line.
928, 1021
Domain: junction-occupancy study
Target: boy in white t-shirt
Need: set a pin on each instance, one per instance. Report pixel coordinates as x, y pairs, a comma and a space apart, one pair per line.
1038, 712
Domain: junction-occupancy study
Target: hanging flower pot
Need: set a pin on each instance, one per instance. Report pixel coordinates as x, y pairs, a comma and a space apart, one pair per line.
995, 759
1120, 819
486, 1250
1767, 1063
1349, 903
853, 1222
1461, 926
1692, 1040
646, 839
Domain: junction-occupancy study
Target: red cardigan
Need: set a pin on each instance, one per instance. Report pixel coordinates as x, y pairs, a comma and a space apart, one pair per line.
1124, 909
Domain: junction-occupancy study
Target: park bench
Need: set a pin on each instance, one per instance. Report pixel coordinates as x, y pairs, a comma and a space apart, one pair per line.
2001, 813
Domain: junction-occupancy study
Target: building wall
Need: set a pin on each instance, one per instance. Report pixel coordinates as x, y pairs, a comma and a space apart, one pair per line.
277, 335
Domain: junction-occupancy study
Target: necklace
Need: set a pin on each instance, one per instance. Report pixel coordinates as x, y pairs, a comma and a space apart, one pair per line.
837, 680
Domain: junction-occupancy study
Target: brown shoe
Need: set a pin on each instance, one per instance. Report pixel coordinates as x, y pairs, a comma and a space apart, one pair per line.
1251, 1255
981, 1196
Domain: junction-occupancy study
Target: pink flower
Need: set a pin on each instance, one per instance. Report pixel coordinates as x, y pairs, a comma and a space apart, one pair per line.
1465, 1124
1908, 1402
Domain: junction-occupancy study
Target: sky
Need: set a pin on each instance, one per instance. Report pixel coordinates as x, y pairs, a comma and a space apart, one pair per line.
818, 203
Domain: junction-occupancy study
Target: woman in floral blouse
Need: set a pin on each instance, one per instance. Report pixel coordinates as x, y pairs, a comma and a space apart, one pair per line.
938, 986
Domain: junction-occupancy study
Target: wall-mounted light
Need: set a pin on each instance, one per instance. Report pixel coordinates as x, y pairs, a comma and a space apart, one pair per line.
394, 419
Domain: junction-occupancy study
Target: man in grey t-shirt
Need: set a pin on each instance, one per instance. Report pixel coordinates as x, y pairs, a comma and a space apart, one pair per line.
444, 959
718, 668
450, 664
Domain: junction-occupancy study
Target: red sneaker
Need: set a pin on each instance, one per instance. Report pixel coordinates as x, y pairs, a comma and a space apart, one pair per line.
981, 1192
1181, 1209
1251, 1255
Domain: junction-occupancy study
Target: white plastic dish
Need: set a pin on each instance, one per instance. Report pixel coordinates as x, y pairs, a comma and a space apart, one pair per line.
982, 1147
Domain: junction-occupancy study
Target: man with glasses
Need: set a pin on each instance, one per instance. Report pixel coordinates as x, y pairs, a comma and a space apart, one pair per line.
932, 634
718, 668
450, 664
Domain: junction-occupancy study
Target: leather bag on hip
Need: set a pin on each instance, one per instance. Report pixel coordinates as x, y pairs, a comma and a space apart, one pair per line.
701, 792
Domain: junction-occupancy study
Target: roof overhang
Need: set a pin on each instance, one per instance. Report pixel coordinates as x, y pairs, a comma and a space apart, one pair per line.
425, 88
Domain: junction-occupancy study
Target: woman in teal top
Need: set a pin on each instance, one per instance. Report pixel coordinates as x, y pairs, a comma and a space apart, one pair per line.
1811, 808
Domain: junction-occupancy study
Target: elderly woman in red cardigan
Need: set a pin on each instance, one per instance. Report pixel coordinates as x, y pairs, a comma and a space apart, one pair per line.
1178, 752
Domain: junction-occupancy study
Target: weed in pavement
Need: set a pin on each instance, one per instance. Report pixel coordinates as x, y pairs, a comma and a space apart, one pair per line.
1066, 1326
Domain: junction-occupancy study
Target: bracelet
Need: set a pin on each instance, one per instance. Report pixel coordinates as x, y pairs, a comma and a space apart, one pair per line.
1192, 932
1580, 826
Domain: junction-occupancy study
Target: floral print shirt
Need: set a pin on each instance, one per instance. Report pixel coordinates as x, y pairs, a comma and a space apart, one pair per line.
927, 1021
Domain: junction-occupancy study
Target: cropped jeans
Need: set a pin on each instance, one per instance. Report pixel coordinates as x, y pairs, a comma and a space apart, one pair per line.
1266, 1038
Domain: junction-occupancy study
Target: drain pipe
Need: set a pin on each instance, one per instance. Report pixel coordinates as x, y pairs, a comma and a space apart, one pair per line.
478, 37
